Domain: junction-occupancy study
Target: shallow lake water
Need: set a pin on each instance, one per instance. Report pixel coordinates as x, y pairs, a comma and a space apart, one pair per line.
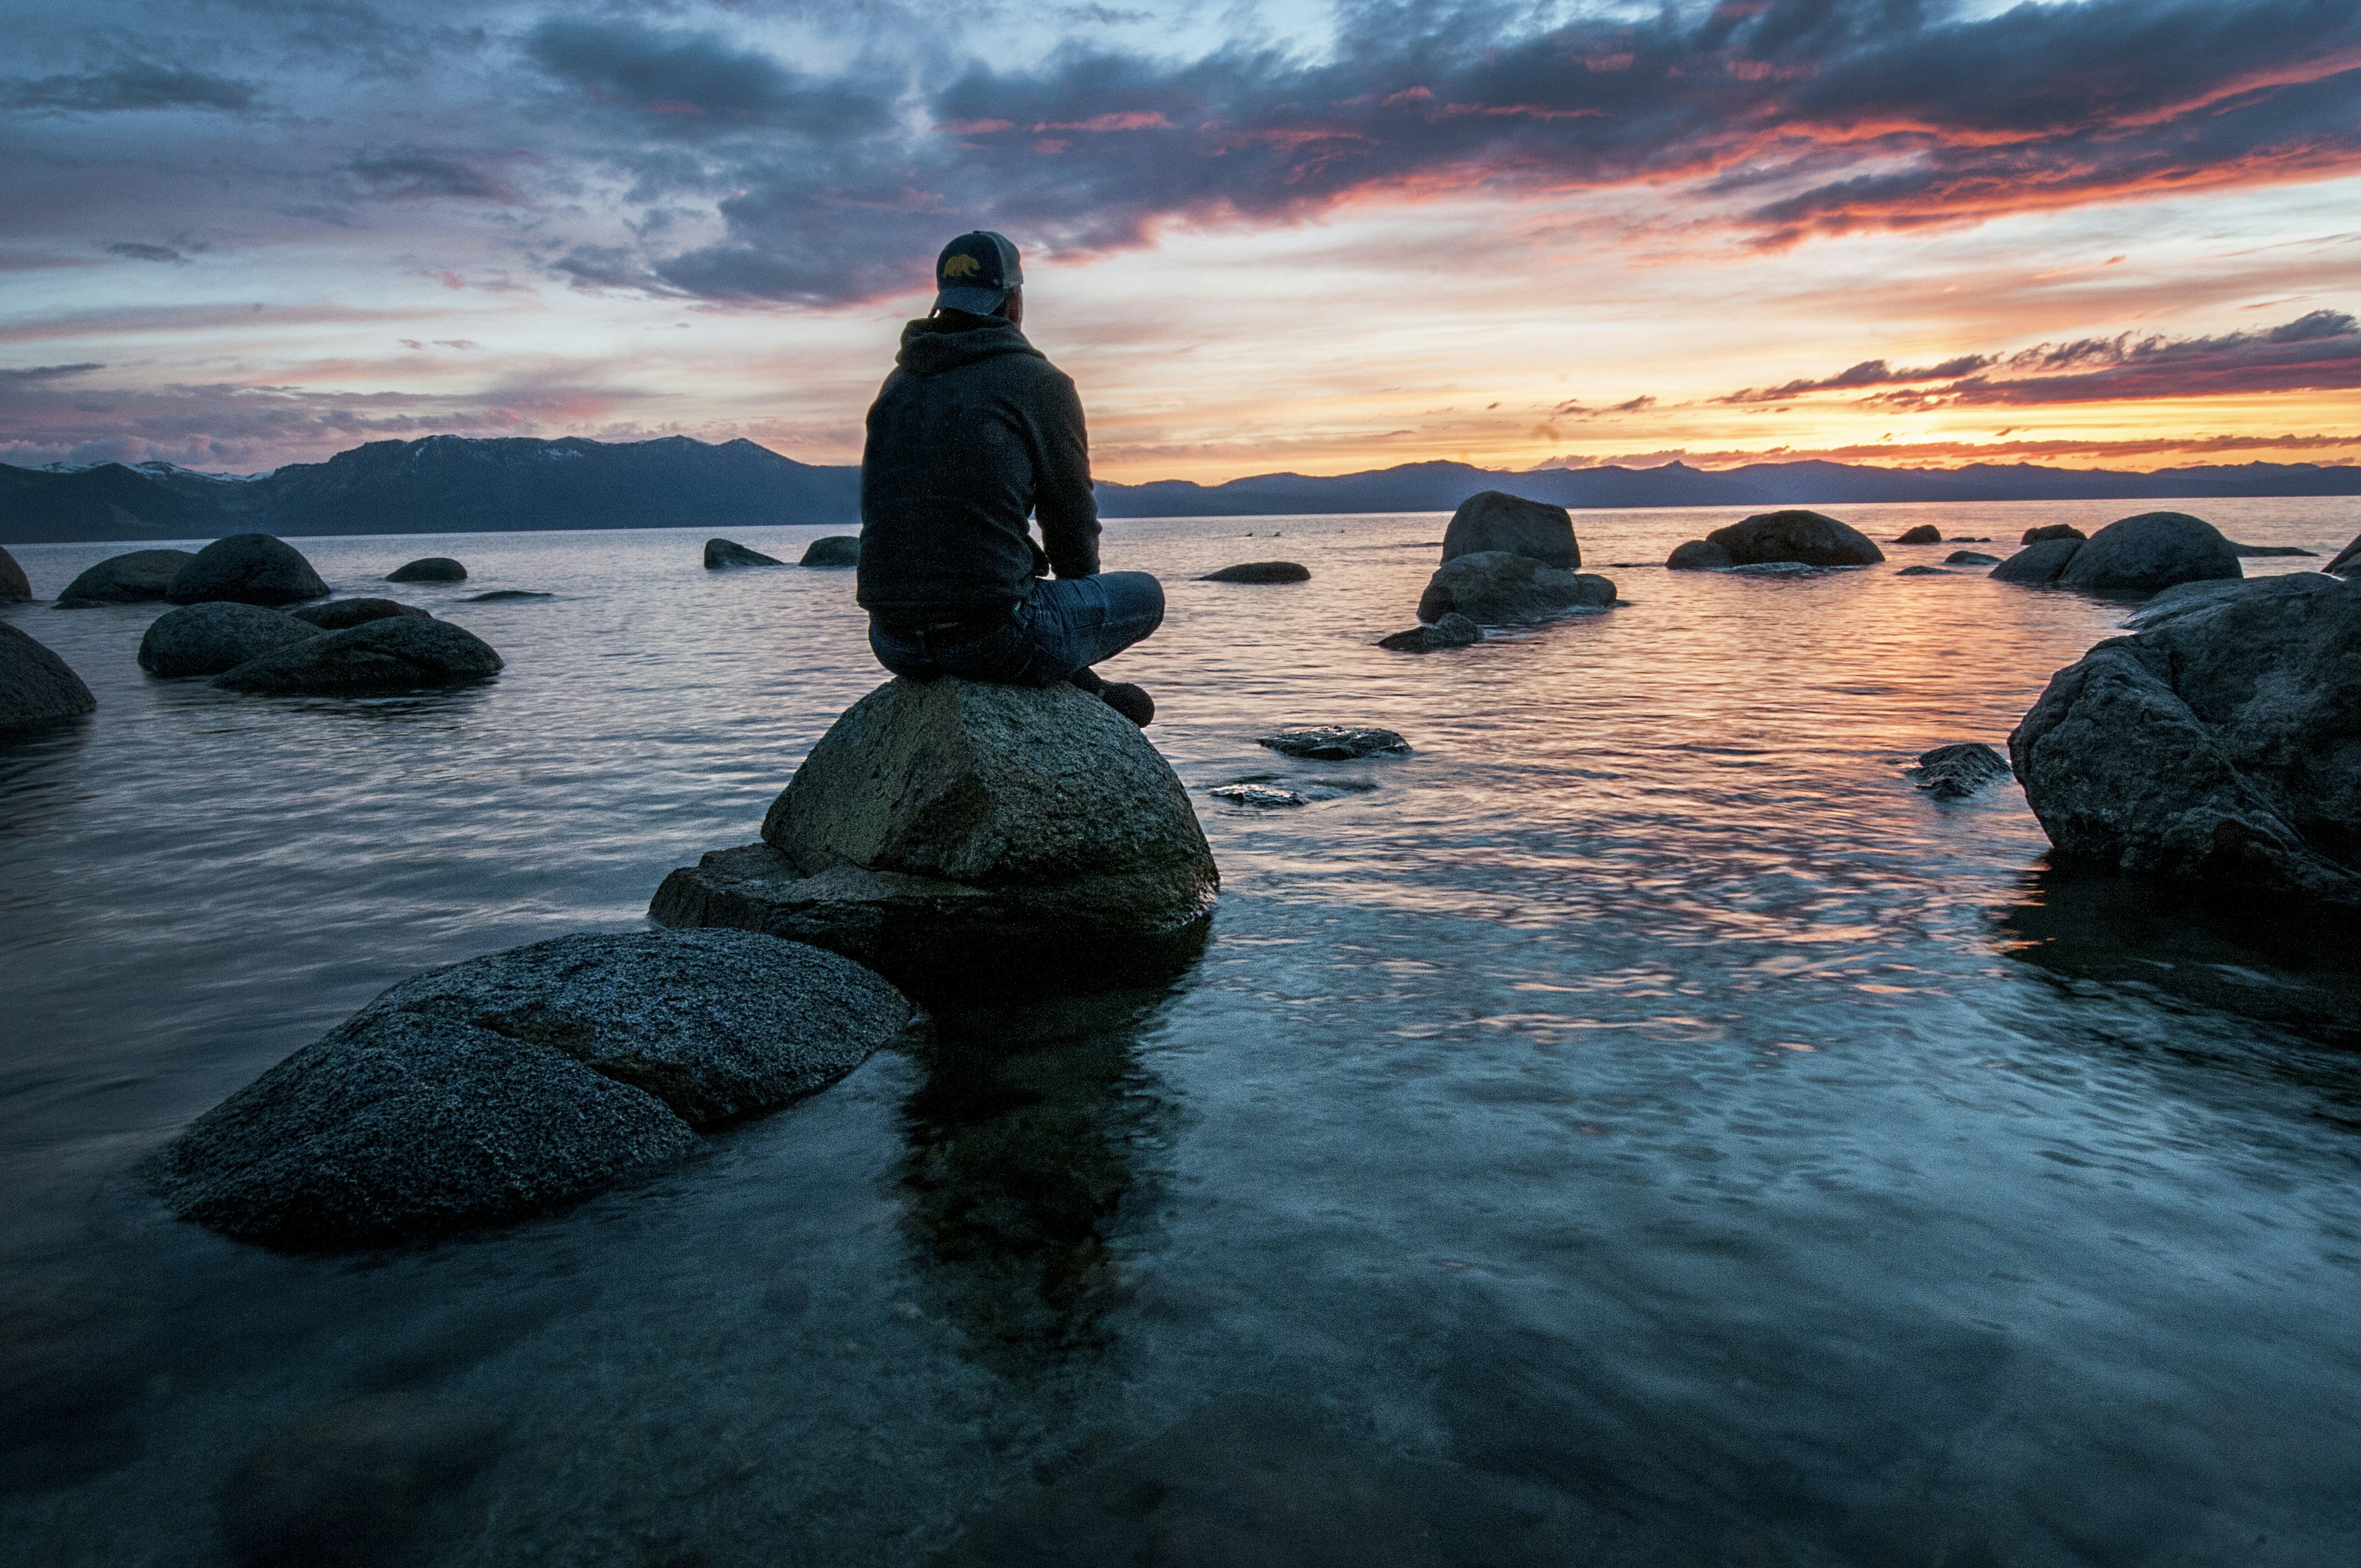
1634, 1128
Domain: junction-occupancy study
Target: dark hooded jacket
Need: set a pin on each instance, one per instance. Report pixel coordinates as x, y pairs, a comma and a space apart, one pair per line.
972, 433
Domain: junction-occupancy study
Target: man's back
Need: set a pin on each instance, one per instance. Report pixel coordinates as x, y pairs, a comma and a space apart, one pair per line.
972, 431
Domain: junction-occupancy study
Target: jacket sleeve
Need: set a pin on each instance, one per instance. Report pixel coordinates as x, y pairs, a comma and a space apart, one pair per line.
1062, 499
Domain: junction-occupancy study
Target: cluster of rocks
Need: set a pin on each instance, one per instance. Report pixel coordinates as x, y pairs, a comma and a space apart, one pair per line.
1792, 538
1506, 562
954, 833
2140, 554
522, 1081
835, 550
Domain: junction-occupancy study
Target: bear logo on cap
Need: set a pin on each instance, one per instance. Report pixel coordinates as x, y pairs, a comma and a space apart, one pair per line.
961, 267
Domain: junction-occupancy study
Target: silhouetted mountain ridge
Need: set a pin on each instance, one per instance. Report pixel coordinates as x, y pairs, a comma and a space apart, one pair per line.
453, 484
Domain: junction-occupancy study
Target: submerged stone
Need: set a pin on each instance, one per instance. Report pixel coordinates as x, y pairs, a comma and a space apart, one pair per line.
1255, 794
952, 833
1335, 743
1260, 571
1454, 631
1958, 771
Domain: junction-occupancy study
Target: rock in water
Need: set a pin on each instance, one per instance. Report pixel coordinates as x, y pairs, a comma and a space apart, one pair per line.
36, 685
1970, 558
2055, 530
140, 576
2220, 746
723, 553
1955, 771
2266, 550
2154, 550
2037, 563
338, 614
1923, 572
835, 550
1260, 571
1924, 533
399, 653
1494, 520
429, 569
247, 568
1699, 556
502, 596
14, 587
1261, 796
1335, 743
1497, 588
1809, 537
519, 1082
1454, 631
956, 834
207, 639
2347, 560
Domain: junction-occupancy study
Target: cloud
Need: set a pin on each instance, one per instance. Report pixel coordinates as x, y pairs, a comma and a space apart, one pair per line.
43, 373
685, 84
134, 85
2134, 452
1868, 373
413, 175
131, 251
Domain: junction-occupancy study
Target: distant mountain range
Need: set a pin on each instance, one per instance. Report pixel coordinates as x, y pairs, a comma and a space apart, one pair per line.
451, 484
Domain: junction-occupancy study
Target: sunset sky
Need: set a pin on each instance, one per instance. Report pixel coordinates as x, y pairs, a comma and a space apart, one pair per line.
1319, 237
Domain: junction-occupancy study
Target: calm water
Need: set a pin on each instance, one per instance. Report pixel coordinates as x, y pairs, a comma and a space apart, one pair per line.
1636, 1127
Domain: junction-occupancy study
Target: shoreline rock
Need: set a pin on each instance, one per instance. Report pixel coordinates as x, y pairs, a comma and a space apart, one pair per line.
37, 687
2345, 561
953, 834
136, 576
1495, 521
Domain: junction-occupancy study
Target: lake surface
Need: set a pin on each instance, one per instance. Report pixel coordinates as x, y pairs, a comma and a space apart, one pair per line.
1635, 1127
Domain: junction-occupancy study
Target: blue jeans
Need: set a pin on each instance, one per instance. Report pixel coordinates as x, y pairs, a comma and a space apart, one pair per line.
1063, 627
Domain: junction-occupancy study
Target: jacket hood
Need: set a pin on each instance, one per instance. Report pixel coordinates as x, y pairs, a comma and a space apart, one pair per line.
935, 345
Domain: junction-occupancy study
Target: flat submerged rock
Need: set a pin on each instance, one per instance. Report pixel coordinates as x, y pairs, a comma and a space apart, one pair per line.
522, 1081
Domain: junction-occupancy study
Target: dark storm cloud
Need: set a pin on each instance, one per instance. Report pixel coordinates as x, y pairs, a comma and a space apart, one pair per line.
137, 85
131, 251
693, 84
1792, 118
2318, 352
43, 373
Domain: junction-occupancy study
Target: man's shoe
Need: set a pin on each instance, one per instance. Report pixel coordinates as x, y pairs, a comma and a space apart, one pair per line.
1128, 700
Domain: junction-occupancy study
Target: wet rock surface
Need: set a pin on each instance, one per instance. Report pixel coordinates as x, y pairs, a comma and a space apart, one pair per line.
1699, 556
1260, 571
395, 654
723, 553
1259, 795
138, 577
520, 1082
2154, 550
429, 569
1495, 588
338, 614
833, 550
2218, 746
2346, 560
37, 687
1335, 743
1959, 770
207, 639
248, 568
1494, 520
1810, 538
1453, 631
952, 832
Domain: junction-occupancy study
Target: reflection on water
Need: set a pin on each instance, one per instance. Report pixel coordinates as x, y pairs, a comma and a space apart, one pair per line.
1634, 1127
1034, 1129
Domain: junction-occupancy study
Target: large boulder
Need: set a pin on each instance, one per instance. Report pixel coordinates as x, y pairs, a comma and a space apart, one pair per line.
396, 654
1494, 520
1494, 587
1698, 555
2347, 560
1810, 538
137, 577
207, 639
250, 568
37, 687
522, 1082
2218, 745
337, 614
723, 553
1924, 533
429, 569
2037, 563
834, 550
956, 834
2154, 550
15, 587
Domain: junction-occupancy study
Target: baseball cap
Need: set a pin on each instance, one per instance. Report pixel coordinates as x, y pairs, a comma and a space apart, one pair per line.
975, 272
